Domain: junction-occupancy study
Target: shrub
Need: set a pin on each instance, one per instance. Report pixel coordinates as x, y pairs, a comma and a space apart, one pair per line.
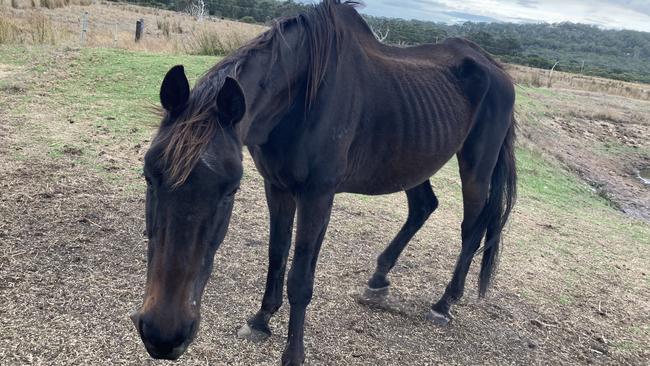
247, 19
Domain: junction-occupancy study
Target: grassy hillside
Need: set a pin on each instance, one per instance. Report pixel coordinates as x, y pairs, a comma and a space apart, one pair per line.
572, 288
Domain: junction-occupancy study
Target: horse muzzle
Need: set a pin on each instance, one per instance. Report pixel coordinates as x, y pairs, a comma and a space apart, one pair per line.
163, 345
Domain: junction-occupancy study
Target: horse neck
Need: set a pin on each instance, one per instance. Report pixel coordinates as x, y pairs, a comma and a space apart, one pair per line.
283, 75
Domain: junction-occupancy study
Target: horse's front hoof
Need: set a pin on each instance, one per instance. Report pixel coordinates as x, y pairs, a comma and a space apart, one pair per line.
439, 319
251, 334
293, 361
374, 296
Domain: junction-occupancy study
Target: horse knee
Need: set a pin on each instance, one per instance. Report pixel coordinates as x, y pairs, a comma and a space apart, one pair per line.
299, 292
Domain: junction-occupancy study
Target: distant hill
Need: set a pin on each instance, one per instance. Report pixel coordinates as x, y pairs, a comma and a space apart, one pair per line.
622, 55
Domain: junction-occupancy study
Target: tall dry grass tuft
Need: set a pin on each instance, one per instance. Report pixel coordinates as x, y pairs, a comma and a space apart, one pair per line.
177, 27
8, 30
164, 26
211, 43
41, 29
53, 4
80, 2
49, 4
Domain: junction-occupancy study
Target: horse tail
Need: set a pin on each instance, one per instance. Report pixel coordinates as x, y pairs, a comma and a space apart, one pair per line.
501, 199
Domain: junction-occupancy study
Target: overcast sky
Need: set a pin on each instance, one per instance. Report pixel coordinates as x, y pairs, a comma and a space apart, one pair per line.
628, 14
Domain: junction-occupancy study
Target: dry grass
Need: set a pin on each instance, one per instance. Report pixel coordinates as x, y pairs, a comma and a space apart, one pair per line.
164, 26
36, 29
8, 30
52, 4
113, 25
562, 80
49, 4
212, 43
41, 29
169, 25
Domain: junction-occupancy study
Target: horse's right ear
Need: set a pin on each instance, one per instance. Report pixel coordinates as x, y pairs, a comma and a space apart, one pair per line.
175, 89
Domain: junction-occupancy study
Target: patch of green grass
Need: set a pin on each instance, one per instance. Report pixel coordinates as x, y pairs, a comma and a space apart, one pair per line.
616, 148
19, 55
564, 300
550, 183
118, 88
628, 346
55, 150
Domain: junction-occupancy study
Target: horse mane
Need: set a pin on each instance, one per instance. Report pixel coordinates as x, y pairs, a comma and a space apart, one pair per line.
186, 138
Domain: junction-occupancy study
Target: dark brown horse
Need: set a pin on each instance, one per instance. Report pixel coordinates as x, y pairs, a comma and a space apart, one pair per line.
323, 108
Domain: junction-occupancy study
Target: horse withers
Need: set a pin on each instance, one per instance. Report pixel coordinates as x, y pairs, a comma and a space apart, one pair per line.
323, 108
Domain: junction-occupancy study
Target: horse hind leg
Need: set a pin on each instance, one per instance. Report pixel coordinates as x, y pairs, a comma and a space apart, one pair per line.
475, 193
487, 175
422, 202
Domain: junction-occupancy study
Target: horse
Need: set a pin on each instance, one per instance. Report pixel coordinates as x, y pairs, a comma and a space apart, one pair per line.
323, 108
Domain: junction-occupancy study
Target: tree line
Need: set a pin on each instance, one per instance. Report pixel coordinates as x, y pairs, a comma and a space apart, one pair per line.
578, 48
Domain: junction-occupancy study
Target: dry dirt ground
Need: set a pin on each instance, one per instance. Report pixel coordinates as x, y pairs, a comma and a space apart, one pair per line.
573, 286
603, 138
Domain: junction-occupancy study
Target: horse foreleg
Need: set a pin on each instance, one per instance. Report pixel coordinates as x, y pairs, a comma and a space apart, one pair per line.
313, 217
282, 209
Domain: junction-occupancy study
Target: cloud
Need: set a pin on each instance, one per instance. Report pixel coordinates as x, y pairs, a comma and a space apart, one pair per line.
528, 3
461, 16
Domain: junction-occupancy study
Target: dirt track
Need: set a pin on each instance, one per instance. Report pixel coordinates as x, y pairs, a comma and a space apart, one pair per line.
72, 264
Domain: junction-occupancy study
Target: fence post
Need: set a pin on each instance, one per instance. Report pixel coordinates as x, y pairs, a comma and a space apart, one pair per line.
550, 75
139, 29
84, 28
115, 36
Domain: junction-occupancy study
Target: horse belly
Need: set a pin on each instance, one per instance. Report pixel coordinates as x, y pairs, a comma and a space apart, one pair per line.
390, 176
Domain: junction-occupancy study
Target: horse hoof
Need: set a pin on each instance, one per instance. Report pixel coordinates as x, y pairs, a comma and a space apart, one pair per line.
374, 296
439, 319
252, 335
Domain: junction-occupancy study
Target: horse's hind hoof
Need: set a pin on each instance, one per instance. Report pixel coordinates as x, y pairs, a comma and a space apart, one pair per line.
252, 335
439, 319
374, 296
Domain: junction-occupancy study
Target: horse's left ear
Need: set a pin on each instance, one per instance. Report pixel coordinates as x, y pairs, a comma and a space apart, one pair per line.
231, 103
175, 89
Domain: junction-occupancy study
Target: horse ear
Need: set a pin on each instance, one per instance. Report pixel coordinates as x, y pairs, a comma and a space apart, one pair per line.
231, 102
175, 89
